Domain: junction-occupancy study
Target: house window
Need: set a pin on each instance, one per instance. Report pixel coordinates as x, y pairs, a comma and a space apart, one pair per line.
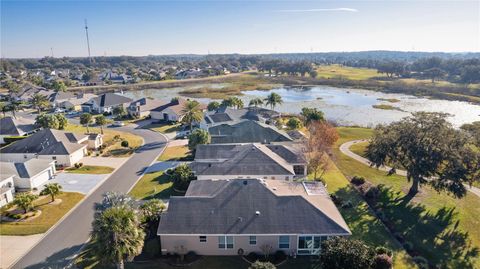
273, 177
24, 156
225, 242
252, 240
284, 241
309, 244
203, 239
54, 157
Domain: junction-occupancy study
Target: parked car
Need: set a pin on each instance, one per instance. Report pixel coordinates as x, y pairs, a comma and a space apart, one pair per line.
59, 110
184, 132
118, 124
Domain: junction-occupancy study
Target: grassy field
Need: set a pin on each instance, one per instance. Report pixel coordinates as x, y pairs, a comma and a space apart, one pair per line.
164, 128
51, 213
90, 169
362, 222
441, 228
359, 148
114, 149
153, 185
176, 153
345, 72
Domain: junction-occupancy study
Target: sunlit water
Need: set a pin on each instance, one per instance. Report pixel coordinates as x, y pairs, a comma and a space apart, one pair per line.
345, 106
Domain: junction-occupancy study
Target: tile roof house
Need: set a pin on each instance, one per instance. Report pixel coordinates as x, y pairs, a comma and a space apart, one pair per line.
10, 126
142, 107
105, 103
29, 174
230, 115
227, 217
247, 131
171, 111
228, 161
63, 147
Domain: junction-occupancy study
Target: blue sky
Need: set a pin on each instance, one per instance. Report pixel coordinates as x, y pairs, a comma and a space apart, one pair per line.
31, 28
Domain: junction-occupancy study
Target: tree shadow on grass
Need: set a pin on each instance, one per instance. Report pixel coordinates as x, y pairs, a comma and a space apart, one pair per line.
433, 235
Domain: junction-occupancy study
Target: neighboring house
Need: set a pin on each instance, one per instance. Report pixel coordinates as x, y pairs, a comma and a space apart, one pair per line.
228, 161
29, 174
230, 115
59, 97
10, 126
142, 107
229, 217
117, 78
27, 93
76, 102
171, 111
247, 131
190, 73
7, 189
105, 103
63, 147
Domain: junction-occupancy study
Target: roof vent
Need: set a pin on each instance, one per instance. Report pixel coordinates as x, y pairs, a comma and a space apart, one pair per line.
257, 213
245, 182
240, 219
274, 188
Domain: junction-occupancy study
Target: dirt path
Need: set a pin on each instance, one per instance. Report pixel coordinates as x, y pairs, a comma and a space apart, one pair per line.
345, 149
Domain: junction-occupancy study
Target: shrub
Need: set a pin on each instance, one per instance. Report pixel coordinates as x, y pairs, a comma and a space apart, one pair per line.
181, 177
339, 252
383, 250
191, 256
336, 200
252, 256
11, 139
382, 261
116, 137
198, 137
101, 151
262, 265
76, 165
372, 193
124, 144
357, 180
294, 123
152, 247
80, 164
421, 262
280, 256
408, 246
347, 204
399, 236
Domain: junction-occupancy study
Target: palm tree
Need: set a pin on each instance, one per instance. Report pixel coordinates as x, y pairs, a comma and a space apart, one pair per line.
86, 119
101, 120
14, 106
3, 108
52, 189
39, 102
25, 201
237, 102
117, 235
255, 102
273, 100
191, 113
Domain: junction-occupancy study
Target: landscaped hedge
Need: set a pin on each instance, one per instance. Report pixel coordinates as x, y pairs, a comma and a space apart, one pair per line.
11, 139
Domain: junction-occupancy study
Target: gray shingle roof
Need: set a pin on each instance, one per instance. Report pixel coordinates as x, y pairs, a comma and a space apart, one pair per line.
47, 142
111, 99
25, 169
245, 159
16, 127
246, 131
232, 209
227, 114
291, 153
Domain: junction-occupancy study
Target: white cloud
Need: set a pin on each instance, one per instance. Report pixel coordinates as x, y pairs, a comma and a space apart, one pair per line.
319, 10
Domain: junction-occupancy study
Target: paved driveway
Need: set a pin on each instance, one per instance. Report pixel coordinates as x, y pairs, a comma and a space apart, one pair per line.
82, 183
161, 166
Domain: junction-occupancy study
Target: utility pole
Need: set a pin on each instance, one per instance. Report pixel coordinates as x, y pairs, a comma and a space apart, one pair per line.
51, 49
88, 41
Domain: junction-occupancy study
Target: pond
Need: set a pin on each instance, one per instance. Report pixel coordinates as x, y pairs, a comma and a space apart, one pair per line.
345, 106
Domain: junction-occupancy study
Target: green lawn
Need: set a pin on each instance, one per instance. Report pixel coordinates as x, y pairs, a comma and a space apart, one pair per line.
443, 229
176, 153
165, 128
359, 148
353, 73
90, 169
153, 185
362, 222
51, 213
114, 148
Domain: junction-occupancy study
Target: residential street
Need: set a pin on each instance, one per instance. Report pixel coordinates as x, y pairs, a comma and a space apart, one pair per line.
58, 247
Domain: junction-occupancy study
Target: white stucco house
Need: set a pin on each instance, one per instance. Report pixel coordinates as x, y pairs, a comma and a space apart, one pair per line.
64, 148
6, 189
105, 103
30, 174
